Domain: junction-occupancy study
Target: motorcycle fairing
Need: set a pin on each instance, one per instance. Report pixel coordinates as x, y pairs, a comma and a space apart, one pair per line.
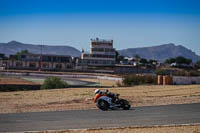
107, 99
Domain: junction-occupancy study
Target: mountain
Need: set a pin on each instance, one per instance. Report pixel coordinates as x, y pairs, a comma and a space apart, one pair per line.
161, 52
13, 47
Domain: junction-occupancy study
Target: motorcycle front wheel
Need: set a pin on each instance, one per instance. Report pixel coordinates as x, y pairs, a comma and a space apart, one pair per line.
125, 104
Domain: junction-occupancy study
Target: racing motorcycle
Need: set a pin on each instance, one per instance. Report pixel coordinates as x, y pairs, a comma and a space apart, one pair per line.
105, 103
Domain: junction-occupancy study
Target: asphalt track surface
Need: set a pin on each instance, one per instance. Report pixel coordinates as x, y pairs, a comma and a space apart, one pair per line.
77, 119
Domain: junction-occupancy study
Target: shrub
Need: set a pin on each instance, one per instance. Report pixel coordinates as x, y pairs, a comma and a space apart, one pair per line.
193, 73
119, 84
150, 80
53, 83
161, 72
130, 80
127, 81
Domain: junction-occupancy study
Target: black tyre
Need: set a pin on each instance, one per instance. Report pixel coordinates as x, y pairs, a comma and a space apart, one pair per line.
125, 104
102, 104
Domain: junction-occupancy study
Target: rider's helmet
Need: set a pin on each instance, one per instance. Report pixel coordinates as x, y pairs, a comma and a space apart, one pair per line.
97, 91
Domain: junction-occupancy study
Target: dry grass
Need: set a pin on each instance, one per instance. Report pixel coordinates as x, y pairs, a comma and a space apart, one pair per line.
81, 98
159, 129
14, 80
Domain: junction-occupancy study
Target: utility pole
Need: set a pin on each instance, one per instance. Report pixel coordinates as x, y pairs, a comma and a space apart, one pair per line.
40, 58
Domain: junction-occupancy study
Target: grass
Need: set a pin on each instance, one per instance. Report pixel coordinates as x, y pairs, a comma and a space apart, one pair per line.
153, 129
81, 98
40, 81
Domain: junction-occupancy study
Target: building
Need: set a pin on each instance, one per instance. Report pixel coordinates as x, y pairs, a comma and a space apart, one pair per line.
2, 56
130, 69
101, 53
37, 61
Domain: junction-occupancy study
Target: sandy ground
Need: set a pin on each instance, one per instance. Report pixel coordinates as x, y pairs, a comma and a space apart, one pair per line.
82, 98
154, 129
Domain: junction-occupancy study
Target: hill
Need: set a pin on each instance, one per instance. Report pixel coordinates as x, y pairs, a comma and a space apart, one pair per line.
161, 52
13, 47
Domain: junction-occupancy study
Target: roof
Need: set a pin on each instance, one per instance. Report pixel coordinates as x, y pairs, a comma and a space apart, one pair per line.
101, 40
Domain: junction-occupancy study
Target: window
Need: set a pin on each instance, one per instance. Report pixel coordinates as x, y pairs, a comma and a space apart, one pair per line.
45, 65
68, 66
58, 66
85, 55
97, 49
23, 56
49, 58
32, 65
19, 64
109, 50
54, 59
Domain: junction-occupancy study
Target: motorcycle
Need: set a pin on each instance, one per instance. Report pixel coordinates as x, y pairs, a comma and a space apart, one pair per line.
105, 103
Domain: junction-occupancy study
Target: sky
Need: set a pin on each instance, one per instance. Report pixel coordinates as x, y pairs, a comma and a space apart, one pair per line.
130, 23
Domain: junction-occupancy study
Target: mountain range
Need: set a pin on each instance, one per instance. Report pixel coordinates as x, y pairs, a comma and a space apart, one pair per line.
13, 47
160, 52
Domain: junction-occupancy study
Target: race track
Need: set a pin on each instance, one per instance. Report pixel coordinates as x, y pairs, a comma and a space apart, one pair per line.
140, 116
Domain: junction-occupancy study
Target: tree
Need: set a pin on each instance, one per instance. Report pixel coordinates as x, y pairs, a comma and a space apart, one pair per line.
121, 58
161, 72
143, 61
170, 60
182, 60
22, 52
179, 60
153, 62
117, 56
137, 57
18, 54
188, 61
198, 63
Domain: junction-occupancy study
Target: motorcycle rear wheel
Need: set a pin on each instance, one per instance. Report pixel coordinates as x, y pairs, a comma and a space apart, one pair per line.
102, 105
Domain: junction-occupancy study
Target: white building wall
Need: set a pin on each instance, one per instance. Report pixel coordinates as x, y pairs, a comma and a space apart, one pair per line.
184, 80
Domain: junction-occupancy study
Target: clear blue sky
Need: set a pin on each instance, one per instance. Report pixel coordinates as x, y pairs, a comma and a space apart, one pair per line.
130, 23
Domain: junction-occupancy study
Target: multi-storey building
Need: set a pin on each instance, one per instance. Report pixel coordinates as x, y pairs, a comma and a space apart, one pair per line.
101, 53
37, 61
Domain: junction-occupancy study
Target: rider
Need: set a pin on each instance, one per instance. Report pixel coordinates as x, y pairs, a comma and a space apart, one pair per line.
98, 93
